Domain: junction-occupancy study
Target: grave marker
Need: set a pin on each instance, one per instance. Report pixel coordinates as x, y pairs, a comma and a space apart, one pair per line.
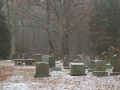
77, 69
52, 61
38, 57
42, 69
100, 68
116, 65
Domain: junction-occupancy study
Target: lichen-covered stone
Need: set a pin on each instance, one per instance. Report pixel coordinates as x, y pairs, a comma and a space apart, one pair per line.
77, 69
42, 69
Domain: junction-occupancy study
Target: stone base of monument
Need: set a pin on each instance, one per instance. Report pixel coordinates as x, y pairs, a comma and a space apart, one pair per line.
100, 73
115, 73
77, 74
66, 67
35, 76
90, 70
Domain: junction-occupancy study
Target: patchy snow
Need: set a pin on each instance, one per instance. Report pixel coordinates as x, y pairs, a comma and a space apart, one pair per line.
77, 64
22, 79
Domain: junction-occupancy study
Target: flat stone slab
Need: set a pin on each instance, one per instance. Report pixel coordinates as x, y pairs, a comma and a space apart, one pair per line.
100, 73
66, 67
35, 76
90, 70
55, 69
115, 73
78, 74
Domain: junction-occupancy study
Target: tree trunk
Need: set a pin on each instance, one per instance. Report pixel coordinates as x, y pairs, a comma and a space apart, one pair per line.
51, 48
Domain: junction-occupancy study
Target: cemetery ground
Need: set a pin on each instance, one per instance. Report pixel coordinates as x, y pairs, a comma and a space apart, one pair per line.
21, 78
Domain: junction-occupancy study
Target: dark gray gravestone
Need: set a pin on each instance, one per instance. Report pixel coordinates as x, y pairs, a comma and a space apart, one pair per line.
92, 65
55, 69
51, 61
116, 65
77, 69
42, 69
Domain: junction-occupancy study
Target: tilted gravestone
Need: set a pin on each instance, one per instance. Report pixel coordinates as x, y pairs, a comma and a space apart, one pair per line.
77, 69
38, 57
52, 61
116, 65
100, 68
42, 69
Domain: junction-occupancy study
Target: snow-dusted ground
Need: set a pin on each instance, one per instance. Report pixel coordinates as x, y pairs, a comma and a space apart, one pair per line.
21, 78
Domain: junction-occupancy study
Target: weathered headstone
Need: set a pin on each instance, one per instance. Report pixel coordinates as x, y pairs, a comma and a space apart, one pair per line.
23, 56
55, 69
14, 56
92, 65
77, 69
116, 65
100, 68
76, 61
45, 58
42, 69
38, 57
51, 61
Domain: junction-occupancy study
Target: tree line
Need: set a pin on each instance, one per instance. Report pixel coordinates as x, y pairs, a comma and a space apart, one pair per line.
60, 27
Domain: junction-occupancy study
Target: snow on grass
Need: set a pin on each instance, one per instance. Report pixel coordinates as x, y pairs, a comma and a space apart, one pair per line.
22, 78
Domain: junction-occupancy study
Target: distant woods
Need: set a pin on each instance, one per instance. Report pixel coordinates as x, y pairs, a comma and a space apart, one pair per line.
4, 35
62, 27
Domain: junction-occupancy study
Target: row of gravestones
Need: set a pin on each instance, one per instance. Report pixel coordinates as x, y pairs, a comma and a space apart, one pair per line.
79, 59
36, 58
98, 68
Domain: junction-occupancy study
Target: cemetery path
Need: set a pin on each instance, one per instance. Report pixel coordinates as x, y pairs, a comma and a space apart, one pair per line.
21, 78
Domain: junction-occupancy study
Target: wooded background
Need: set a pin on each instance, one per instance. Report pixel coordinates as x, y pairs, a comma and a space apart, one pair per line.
63, 27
